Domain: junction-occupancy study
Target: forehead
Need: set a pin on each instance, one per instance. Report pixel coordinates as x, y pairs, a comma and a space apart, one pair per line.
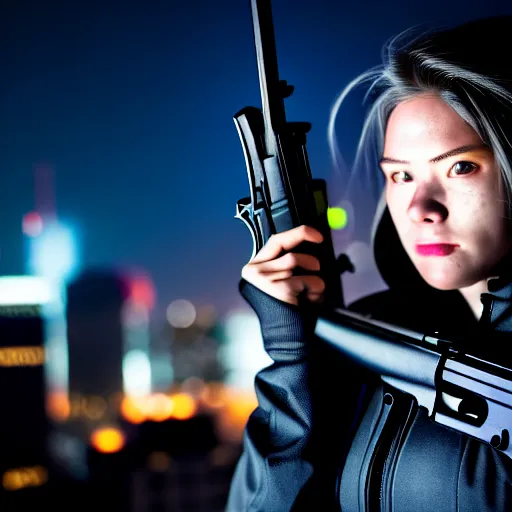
423, 127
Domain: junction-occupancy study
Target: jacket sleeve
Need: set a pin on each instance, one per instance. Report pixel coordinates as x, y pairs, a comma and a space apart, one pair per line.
273, 467
295, 439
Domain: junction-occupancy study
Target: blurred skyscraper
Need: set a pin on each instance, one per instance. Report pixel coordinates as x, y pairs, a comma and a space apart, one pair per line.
94, 314
108, 337
23, 428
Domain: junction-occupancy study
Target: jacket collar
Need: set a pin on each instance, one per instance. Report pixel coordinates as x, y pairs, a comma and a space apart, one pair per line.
497, 313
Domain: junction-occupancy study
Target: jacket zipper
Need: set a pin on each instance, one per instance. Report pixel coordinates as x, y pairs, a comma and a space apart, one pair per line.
390, 439
374, 477
389, 466
385, 473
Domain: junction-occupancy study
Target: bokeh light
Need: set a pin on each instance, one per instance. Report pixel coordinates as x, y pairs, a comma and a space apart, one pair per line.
184, 406
54, 252
159, 407
142, 291
24, 290
181, 313
132, 409
58, 406
108, 440
337, 217
32, 224
136, 373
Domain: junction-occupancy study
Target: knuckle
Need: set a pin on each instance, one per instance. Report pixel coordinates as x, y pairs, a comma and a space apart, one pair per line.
290, 259
249, 270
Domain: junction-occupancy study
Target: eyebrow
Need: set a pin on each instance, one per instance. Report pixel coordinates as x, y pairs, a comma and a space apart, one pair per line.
448, 154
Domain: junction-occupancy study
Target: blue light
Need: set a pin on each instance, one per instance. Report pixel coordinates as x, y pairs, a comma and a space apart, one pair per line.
53, 254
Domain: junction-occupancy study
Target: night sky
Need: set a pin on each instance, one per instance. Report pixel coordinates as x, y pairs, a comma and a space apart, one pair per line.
132, 103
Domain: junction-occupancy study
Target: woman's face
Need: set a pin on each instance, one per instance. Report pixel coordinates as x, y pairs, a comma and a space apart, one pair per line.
444, 195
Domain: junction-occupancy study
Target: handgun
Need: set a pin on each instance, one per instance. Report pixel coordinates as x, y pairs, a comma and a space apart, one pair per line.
283, 193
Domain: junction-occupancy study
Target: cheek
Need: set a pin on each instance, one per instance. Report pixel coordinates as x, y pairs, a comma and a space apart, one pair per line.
482, 220
481, 209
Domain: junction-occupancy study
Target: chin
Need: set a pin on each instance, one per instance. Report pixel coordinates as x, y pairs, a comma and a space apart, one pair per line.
444, 285
446, 279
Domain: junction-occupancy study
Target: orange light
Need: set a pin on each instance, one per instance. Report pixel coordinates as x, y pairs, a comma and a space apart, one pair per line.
108, 440
160, 407
132, 410
213, 395
240, 406
95, 408
233, 416
58, 406
184, 406
22, 356
15, 479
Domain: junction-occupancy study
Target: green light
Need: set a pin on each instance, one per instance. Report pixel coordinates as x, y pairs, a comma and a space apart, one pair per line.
337, 218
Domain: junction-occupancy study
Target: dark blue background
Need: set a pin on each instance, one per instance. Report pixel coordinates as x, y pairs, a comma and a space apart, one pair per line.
132, 103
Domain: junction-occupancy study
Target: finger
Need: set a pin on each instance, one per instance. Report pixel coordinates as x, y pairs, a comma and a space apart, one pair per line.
253, 274
289, 261
258, 278
286, 241
313, 284
278, 276
316, 297
283, 285
295, 285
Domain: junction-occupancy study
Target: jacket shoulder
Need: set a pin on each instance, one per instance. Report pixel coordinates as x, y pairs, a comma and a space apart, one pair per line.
392, 307
374, 304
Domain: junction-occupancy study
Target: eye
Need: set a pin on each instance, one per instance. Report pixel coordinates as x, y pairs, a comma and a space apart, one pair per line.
401, 177
462, 168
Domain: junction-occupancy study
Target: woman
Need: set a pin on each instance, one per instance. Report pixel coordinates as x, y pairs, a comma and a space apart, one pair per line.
331, 436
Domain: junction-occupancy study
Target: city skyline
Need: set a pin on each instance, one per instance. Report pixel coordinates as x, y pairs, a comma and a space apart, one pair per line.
133, 107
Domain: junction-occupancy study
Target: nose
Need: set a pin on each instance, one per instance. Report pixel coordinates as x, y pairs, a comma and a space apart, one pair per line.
427, 206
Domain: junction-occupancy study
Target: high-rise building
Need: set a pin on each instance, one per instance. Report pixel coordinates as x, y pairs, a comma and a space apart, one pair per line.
107, 318
23, 428
94, 314
107, 314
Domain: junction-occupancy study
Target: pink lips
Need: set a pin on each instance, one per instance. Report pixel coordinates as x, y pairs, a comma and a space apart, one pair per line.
435, 249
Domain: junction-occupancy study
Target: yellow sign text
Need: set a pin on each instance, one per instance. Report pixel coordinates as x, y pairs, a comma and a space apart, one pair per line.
21, 356
15, 479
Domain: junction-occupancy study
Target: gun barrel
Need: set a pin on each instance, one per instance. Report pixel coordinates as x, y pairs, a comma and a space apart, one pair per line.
271, 96
388, 352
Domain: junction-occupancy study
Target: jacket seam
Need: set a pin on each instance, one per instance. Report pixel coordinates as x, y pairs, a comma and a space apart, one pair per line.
465, 440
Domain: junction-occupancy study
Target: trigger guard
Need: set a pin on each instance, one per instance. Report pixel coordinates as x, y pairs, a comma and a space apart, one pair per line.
244, 213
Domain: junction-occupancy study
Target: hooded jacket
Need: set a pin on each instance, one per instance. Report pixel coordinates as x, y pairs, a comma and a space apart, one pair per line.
329, 435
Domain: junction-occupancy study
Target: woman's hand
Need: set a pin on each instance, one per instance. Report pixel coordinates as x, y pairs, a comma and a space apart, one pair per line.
273, 272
